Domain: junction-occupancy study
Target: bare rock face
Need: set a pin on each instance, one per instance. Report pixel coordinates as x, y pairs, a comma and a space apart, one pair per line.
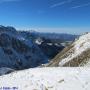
50, 49
4, 40
19, 46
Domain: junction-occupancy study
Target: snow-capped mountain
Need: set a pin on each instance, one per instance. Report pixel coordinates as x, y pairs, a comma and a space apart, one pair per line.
77, 54
24, 49
47, 79
50, 43
16, 52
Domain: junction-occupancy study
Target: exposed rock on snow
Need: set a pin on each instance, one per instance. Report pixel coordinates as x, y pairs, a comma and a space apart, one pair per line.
5, 70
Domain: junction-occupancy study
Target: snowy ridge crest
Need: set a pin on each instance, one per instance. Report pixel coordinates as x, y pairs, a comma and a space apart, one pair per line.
79, 46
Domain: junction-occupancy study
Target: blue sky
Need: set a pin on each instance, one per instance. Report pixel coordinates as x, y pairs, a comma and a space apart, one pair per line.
70, 16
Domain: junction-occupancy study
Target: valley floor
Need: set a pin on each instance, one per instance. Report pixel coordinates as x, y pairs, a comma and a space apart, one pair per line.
47, 79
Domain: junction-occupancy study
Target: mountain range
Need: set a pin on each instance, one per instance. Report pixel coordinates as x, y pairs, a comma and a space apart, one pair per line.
24, 49
41, 61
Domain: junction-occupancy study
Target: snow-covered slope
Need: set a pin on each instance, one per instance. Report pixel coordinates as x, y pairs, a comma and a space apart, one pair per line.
48, 79
81, 45
77, 54
5, 70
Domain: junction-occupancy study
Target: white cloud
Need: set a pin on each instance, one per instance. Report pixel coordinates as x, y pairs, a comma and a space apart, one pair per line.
60, 3
79, 6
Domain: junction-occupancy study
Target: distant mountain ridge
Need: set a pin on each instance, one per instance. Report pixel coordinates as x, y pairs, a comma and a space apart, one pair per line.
60, 36
50, 43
